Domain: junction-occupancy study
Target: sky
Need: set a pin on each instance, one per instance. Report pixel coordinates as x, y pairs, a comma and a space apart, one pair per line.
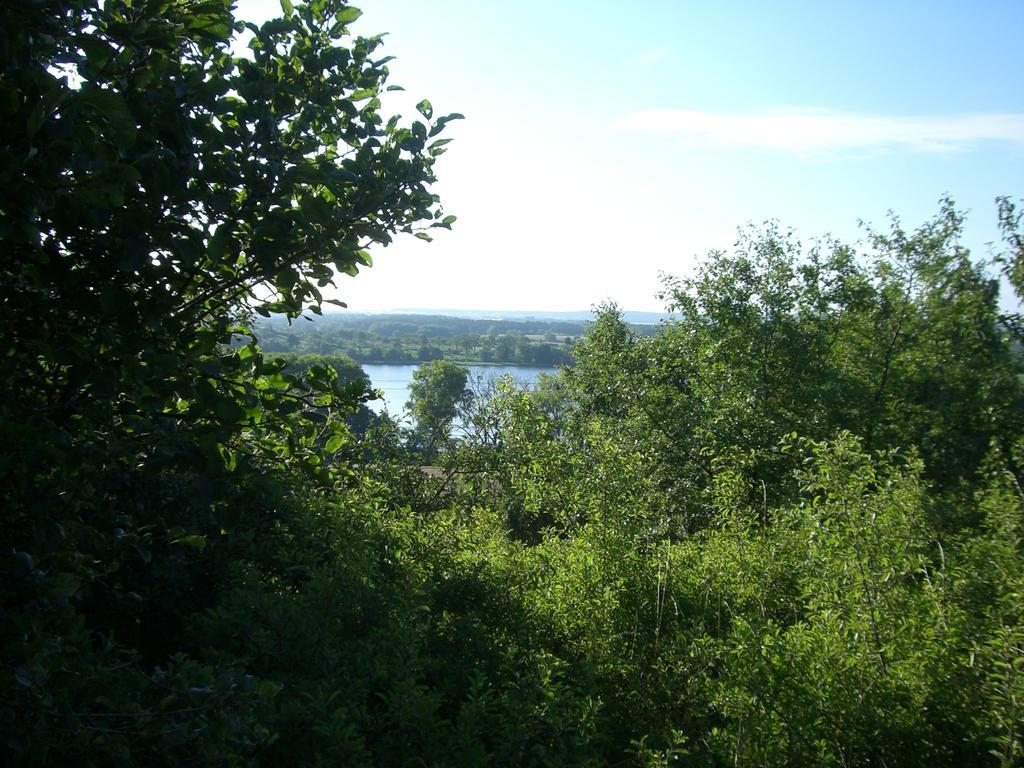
607, 143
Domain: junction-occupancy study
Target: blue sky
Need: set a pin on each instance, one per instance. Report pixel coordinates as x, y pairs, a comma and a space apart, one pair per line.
607, 142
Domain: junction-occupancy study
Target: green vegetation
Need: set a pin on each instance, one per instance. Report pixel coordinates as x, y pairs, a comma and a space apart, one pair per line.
437, 391
785, 529
423, 338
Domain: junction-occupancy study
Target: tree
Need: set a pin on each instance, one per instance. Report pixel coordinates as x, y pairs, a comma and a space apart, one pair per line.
437, 391
157, 192
505, 348
158, 189
1011, 222
349, 374
900, 344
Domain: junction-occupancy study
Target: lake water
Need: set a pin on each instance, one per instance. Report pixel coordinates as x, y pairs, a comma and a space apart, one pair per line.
394, 381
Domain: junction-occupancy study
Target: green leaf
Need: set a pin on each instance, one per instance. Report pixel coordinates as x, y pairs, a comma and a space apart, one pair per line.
218, 245
97, 50
440, 123
268, 689
425, 108
346, 15
274, 27
36, 118
193, 540
111, 108
211, 26
62, 584
286, 6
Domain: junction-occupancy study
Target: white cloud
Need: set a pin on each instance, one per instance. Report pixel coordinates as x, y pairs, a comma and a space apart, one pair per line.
650, 57
818, 130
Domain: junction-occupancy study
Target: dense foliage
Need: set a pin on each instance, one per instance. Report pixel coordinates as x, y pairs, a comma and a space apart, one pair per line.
158, 190
786, 529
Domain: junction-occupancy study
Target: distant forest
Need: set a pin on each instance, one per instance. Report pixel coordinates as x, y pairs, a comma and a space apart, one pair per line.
422, 338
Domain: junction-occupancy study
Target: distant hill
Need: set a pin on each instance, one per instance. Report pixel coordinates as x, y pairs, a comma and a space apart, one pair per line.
636, 318
465, 336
